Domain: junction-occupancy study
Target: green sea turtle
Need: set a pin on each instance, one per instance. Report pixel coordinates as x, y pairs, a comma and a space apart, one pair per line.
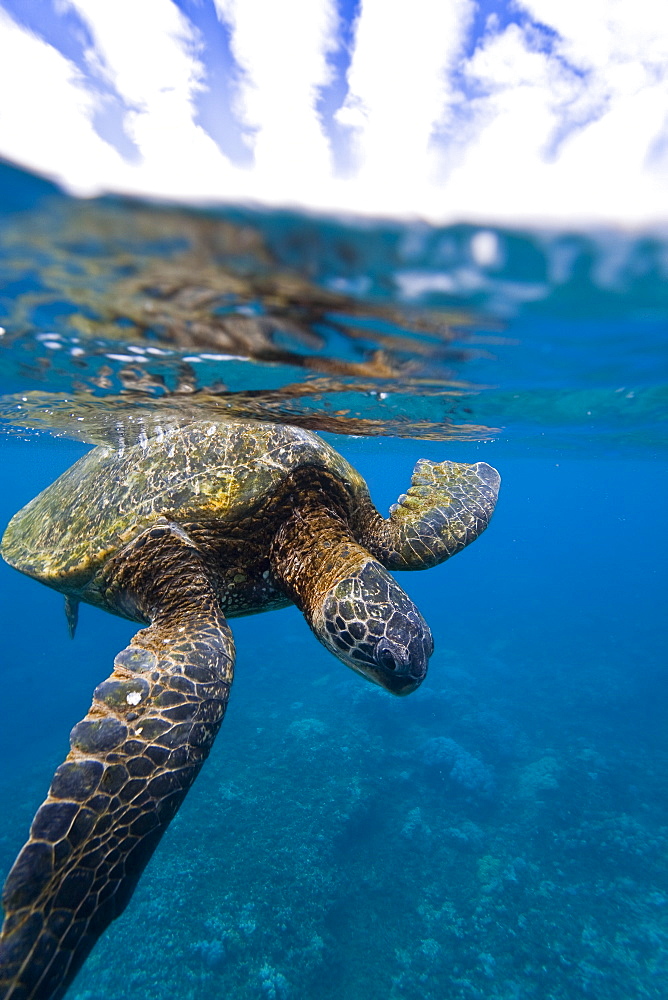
179, 533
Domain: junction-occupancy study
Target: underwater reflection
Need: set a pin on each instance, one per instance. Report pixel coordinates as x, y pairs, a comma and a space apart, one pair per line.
130, 305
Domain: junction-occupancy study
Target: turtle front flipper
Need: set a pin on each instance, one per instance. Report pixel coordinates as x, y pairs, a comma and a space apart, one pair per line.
132, 760
447, 506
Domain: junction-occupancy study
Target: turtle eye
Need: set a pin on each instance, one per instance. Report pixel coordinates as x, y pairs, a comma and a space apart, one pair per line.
386, 660
389, 656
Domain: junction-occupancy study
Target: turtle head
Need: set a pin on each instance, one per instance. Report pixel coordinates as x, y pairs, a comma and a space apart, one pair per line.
371, 624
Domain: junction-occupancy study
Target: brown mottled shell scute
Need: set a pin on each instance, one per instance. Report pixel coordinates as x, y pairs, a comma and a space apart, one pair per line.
205, 472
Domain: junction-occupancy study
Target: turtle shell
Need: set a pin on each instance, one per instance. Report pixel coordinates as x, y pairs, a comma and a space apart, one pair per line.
207, 470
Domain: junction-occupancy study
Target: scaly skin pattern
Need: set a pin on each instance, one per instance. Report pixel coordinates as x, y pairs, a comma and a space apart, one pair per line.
354, 606
198, 524
447, 506
132, 760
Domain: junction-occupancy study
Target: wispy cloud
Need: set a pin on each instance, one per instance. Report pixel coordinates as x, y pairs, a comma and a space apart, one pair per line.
281, 50
46, 112
149, 52
566, 128
399, 88
557, 112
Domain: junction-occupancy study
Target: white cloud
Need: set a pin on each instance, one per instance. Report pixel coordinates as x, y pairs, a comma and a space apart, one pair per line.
606, 34
46, 111
567, 130
281, 49
148, 52
399, 89
570, 124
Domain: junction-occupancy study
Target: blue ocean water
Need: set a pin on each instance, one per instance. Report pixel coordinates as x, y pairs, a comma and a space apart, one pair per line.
502, 833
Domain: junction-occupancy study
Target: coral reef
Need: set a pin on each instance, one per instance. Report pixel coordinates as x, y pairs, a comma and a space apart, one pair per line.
462, 768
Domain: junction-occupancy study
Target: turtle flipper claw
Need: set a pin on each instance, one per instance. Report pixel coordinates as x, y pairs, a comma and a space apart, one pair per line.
132, 760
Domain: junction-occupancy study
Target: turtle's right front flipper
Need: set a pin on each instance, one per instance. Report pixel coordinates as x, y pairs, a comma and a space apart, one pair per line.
447, 506
132, 760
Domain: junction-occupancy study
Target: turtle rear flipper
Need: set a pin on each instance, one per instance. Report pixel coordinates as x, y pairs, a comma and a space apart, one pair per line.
447, 506
132, 760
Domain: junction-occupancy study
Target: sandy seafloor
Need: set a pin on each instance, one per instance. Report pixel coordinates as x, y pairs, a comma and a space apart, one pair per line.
500, 834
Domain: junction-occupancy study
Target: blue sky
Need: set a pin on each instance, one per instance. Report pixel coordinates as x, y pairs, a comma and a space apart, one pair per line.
446, 109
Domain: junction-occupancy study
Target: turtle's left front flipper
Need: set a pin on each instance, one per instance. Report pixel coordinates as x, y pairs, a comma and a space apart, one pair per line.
132, 760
